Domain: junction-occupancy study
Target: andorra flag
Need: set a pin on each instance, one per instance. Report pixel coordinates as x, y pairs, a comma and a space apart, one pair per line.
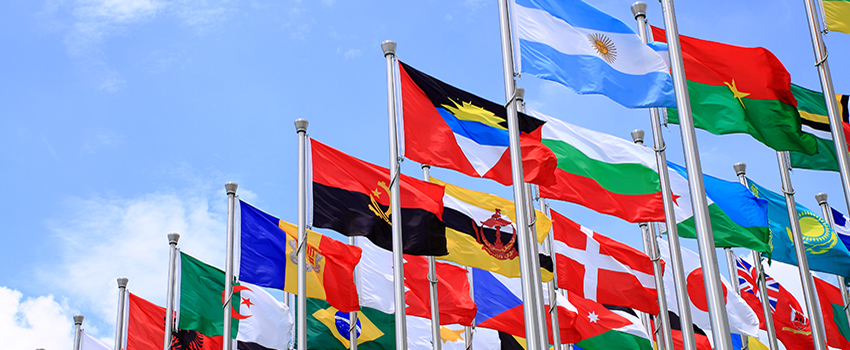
269, 259
352, 197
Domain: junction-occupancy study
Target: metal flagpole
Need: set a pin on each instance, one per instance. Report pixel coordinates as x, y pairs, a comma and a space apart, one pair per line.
827, 214
705, 238
529, 312
680, 283
230, 188
533, 246
650, 243
389, 47
119, 323
731, 264
78, 336
802, 261
835, 122
741, 171
548, 247
353, 332
650, 247
301, 304
170, 289
432, 278
467, 331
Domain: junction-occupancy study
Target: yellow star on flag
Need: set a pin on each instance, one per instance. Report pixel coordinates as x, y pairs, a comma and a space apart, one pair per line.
738, 94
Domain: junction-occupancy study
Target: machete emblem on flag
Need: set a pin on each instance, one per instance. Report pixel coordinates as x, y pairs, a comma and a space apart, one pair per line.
497, 249
604, 47
234, 313
817, 237
375, 207
314, 259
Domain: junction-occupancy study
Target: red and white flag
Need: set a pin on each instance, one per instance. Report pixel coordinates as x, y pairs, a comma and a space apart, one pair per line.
602, 269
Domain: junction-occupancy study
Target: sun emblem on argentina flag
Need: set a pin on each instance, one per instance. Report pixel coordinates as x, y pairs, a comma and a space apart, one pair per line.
604, 47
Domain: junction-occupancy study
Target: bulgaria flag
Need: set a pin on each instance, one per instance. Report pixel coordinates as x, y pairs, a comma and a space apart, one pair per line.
736, 89
602, 269
605, 173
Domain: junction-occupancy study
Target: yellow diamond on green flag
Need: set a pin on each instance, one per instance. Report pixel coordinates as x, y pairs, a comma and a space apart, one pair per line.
338, 323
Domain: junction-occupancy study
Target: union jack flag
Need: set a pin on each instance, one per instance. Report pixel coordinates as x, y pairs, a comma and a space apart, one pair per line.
747, 283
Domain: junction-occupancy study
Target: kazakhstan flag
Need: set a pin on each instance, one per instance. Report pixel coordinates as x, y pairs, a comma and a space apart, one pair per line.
824, 249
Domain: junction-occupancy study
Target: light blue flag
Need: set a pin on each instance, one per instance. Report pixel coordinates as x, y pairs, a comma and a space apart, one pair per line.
587, 50
824, 249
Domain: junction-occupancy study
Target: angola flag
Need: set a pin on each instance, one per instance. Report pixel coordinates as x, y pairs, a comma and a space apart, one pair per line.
736, 89
268, 258
352, 197
450, 128
815, 119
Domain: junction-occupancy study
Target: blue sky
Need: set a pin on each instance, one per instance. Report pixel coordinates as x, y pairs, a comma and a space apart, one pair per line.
123, 119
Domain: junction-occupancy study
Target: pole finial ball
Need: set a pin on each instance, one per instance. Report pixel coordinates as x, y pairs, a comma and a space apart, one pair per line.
520, 94
740, 168
639, 9
122, 282
389, 47
78, 319
173, 238
230, 188
821, 198
301, 125
637, 135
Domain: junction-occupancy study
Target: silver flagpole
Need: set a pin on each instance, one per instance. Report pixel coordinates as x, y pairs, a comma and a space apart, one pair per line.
680, 283
812, 303
119, 323
529, 312
353, 332
301, 304
170, 289
467, 331
741, 171
827, 214
230, 188
650, 244
389, 47
705, 238
731, 264
432, 279
548, 247
78, 336
533, 245
835, 123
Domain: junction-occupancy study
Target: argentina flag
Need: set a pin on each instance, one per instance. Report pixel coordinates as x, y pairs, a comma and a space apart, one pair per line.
587, 50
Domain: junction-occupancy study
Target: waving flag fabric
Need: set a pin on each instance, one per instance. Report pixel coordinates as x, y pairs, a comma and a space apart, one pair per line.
268, 258
824, 249
88, 342
837, 14
602, 269
451, 128
145, 329
738, 218
587, 50
352, 197
630, 337
813, 115
791, 325
742, 319
841, 226
481, 232
604, 173
834, 318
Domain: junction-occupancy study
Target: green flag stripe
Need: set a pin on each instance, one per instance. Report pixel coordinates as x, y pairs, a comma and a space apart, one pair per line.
201, 288
623, 178
615, 340
840, 319
824, 160
727, 233
772, 122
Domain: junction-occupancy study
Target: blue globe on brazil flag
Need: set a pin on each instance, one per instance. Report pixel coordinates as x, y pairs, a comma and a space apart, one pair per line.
343, 321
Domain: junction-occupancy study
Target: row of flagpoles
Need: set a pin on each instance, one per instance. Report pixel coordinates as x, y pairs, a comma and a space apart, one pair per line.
535, 317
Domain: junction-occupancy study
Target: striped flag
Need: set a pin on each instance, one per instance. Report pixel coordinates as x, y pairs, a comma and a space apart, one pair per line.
815, 121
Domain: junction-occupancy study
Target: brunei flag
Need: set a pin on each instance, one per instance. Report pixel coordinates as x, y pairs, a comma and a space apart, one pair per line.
268, 258
352, 197
481, 232
451, 128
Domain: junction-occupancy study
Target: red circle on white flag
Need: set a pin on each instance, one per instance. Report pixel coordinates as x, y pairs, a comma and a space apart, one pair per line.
696, 290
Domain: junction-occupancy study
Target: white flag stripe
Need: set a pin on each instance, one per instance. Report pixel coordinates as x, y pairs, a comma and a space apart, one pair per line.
634, 328
375, 275
536, 25
595, 145
476, 213
270, 324
826, 135
88, 342
593, 261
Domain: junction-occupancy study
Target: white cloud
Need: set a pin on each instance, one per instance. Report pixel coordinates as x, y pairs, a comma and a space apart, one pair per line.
328, 3
352, 53
32, 323
474, 4
448, 17
102, 139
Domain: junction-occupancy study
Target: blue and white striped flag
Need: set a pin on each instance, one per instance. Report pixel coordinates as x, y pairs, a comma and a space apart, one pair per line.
587, 50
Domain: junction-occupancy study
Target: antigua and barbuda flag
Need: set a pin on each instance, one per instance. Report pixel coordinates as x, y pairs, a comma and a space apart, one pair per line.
575, 44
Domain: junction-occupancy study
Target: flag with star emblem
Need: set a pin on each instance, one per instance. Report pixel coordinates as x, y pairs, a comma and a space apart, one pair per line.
824, 249
629, 337
268, 259
736, 89
813, 115
352, 197
451, 128
589, 51
602, 269
738, 218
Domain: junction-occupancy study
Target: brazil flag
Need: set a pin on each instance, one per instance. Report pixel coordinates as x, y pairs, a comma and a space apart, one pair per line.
328, 328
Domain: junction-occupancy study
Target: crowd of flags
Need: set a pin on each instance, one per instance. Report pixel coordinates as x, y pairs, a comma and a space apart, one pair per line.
603, 294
